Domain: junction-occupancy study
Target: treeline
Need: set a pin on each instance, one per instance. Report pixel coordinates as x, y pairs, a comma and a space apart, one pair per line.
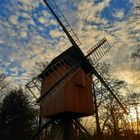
18, 116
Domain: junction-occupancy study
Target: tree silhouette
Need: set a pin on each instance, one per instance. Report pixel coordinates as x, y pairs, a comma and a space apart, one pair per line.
17, 116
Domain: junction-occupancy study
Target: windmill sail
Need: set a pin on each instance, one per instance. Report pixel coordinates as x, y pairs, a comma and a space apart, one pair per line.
94, 55
109, 88
63, 23
98, 51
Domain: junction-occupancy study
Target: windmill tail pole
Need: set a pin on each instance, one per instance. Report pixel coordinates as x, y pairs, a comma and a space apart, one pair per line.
80, 127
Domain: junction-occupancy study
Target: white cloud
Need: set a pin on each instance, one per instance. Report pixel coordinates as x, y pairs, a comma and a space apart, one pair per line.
42, 20
1, 41
28, 4
56, 33
131, 76
13, 19
119, 14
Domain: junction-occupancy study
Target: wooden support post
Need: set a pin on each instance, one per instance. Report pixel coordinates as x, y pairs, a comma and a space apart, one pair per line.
39, 127
67, 129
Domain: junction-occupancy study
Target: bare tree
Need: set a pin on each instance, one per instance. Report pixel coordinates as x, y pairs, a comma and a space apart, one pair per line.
3, 83
136, 55
3, 86
133, 100
107, 111
39, 67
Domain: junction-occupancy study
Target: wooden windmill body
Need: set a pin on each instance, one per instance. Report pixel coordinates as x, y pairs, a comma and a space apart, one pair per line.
74, 99
66, 90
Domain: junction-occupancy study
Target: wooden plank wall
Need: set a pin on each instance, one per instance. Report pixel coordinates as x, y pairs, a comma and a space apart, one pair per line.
75, 96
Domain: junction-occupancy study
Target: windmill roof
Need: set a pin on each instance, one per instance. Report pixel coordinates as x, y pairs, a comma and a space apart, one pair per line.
76, 54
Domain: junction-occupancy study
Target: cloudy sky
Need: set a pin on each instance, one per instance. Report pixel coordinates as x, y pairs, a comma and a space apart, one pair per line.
30, 34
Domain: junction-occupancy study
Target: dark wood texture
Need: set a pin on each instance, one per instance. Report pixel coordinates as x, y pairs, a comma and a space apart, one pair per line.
75, 97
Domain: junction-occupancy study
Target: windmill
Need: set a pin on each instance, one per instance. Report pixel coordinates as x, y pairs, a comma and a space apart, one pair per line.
66, 84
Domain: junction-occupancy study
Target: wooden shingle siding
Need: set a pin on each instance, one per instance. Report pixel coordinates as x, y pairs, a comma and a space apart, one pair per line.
74, 97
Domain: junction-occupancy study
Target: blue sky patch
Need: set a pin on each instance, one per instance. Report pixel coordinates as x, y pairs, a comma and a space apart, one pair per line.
114, 6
